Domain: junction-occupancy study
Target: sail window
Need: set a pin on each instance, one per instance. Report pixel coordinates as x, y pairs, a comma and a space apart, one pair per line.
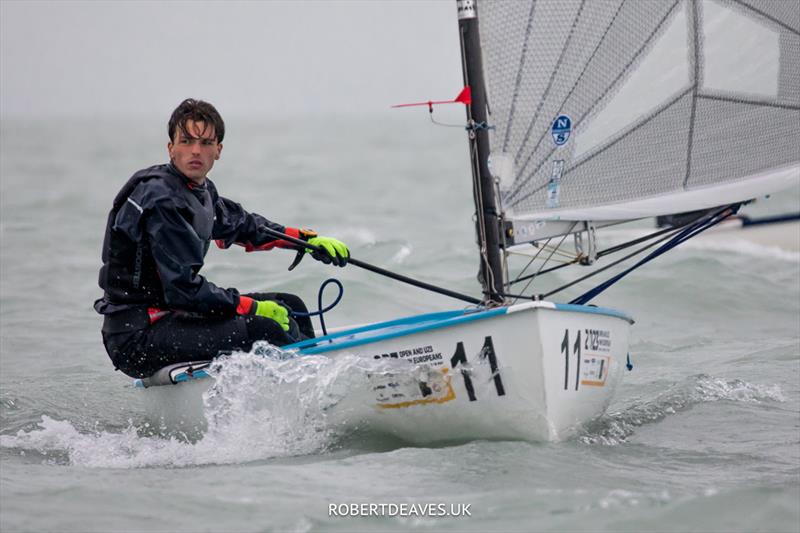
501, 165
662, 73
741, 54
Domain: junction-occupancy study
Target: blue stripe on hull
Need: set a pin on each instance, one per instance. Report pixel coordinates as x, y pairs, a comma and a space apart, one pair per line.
419, 323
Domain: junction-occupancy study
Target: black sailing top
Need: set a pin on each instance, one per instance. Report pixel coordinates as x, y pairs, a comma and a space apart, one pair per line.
157, 235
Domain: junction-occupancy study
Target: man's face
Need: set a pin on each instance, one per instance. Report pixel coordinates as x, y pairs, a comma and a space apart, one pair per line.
194, 151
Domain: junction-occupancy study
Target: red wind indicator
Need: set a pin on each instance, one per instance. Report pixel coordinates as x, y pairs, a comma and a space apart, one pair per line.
464, 97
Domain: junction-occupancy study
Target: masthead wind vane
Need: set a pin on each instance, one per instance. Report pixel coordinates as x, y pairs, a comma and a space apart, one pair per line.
464, 97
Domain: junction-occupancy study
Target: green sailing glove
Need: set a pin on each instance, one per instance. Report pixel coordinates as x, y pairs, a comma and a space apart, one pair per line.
273, 310
334, 250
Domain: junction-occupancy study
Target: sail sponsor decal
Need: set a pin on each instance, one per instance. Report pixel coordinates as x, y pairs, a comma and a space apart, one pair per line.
561, 128
587, 357
527, 230
554, 185
434, 385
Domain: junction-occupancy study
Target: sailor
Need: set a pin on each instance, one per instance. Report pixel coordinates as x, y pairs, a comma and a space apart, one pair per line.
158, 310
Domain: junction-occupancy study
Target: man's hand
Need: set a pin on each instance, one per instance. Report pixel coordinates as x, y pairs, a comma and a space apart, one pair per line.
274, 311
333, 250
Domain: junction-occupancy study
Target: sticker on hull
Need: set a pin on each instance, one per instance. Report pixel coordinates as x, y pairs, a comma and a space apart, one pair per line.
587, 358
595, 370
394, 395
435, 386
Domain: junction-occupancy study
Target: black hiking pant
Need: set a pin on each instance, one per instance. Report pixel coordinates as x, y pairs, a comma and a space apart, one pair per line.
182, 337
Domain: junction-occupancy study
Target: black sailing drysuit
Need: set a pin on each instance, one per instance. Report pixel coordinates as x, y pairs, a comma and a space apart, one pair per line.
158, 309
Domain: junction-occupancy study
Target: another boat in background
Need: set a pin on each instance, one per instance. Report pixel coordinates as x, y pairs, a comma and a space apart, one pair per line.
777, 231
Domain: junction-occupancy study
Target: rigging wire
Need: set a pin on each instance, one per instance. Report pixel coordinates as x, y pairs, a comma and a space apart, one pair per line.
430, 115
548, 258
476, 186
672, 235
684, 235
589, 275
477, 191
607, 251
539, 251
486, 273
610, 265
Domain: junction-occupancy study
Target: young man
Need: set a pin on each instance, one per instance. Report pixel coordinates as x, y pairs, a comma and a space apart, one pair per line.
158, 309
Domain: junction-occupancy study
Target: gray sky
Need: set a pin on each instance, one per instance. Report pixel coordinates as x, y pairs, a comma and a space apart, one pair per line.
140, 58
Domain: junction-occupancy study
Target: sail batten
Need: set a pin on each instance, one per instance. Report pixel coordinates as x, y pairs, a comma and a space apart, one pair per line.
608, 102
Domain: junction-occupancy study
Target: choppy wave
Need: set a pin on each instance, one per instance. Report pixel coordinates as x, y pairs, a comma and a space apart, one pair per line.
402, 254
744, 248
727, 242
269, 403
356, 236
261, 405
616, 428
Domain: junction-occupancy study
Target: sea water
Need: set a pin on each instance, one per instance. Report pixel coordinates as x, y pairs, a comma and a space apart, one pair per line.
703, 434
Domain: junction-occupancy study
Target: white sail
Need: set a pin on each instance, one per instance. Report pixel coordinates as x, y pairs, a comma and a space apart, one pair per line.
688, 200
620, 109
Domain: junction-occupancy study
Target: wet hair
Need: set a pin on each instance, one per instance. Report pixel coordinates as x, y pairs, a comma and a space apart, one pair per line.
198, 111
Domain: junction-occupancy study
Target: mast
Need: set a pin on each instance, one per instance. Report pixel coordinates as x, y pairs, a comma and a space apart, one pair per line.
488, 219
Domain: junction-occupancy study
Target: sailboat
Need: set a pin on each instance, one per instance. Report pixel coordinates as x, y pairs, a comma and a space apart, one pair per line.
580, 115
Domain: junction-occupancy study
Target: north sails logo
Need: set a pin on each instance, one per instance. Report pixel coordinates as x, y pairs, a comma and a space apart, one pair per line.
562, 127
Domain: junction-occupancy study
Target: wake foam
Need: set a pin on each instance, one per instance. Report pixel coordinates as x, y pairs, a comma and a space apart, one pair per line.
402, 254
261, 405
615, 428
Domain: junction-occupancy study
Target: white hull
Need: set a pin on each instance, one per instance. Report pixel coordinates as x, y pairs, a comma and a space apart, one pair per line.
534, 371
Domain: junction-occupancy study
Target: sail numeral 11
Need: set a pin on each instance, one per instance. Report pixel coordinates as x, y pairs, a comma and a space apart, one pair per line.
576, 348
461, 357
487, 352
